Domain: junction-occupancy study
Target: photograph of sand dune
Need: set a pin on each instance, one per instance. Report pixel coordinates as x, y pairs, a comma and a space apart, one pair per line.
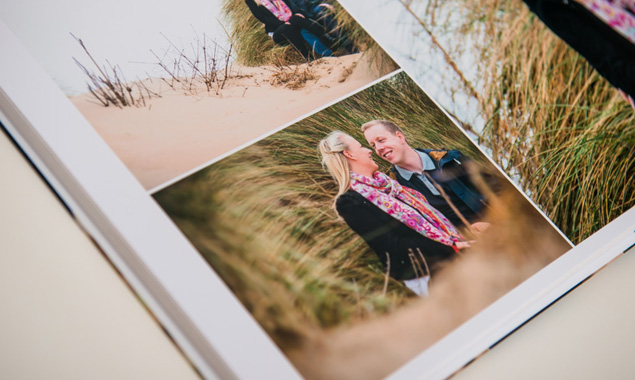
169, 89
177, 132
346, 290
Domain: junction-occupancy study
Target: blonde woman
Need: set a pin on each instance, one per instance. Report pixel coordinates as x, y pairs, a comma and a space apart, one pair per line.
409, 236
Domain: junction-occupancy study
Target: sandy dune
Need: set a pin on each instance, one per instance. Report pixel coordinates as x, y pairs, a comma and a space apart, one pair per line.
178, 132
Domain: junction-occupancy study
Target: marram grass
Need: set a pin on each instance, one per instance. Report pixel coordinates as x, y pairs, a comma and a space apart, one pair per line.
553, 122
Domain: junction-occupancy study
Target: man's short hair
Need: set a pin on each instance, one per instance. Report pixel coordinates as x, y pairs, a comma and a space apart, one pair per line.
388, 125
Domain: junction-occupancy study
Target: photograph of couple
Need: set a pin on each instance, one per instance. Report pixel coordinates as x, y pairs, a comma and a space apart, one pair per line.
375, 212
416, 212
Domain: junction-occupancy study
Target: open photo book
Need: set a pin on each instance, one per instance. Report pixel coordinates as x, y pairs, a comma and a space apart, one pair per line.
326, 189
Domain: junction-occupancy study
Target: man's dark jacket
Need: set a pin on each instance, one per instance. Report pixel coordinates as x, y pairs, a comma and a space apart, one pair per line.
452, 175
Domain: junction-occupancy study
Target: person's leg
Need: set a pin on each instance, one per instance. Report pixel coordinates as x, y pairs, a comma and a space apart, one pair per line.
315, 29
289, 34
418, 285
316, 44
308, 24
334, 34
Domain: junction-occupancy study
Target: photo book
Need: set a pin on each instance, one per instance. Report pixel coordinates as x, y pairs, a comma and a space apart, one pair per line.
325, 189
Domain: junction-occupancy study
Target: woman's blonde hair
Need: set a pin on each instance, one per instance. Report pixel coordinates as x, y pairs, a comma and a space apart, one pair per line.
332, 149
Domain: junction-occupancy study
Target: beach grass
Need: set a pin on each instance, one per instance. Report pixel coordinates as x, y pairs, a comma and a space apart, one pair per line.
264, 217
552, 122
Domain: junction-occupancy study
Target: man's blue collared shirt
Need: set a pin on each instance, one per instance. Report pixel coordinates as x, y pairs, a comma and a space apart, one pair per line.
428, 165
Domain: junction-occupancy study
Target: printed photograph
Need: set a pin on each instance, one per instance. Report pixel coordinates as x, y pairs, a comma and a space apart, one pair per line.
170, 88
545, 88
364, 233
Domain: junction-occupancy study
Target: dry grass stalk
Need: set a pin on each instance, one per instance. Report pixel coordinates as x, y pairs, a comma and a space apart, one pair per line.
207, 65
292, 76
386, 275
446, 56
110, 87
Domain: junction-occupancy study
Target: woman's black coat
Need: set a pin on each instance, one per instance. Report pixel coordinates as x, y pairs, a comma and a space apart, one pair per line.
389, 238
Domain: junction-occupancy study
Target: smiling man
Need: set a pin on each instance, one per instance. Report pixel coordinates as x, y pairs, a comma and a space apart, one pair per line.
437, 174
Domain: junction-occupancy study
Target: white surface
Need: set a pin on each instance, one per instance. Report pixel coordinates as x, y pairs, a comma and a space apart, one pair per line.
65, 312
589, 334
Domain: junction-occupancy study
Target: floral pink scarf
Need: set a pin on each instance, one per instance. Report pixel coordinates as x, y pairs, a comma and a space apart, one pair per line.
278, 8
618, 14
406, 205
